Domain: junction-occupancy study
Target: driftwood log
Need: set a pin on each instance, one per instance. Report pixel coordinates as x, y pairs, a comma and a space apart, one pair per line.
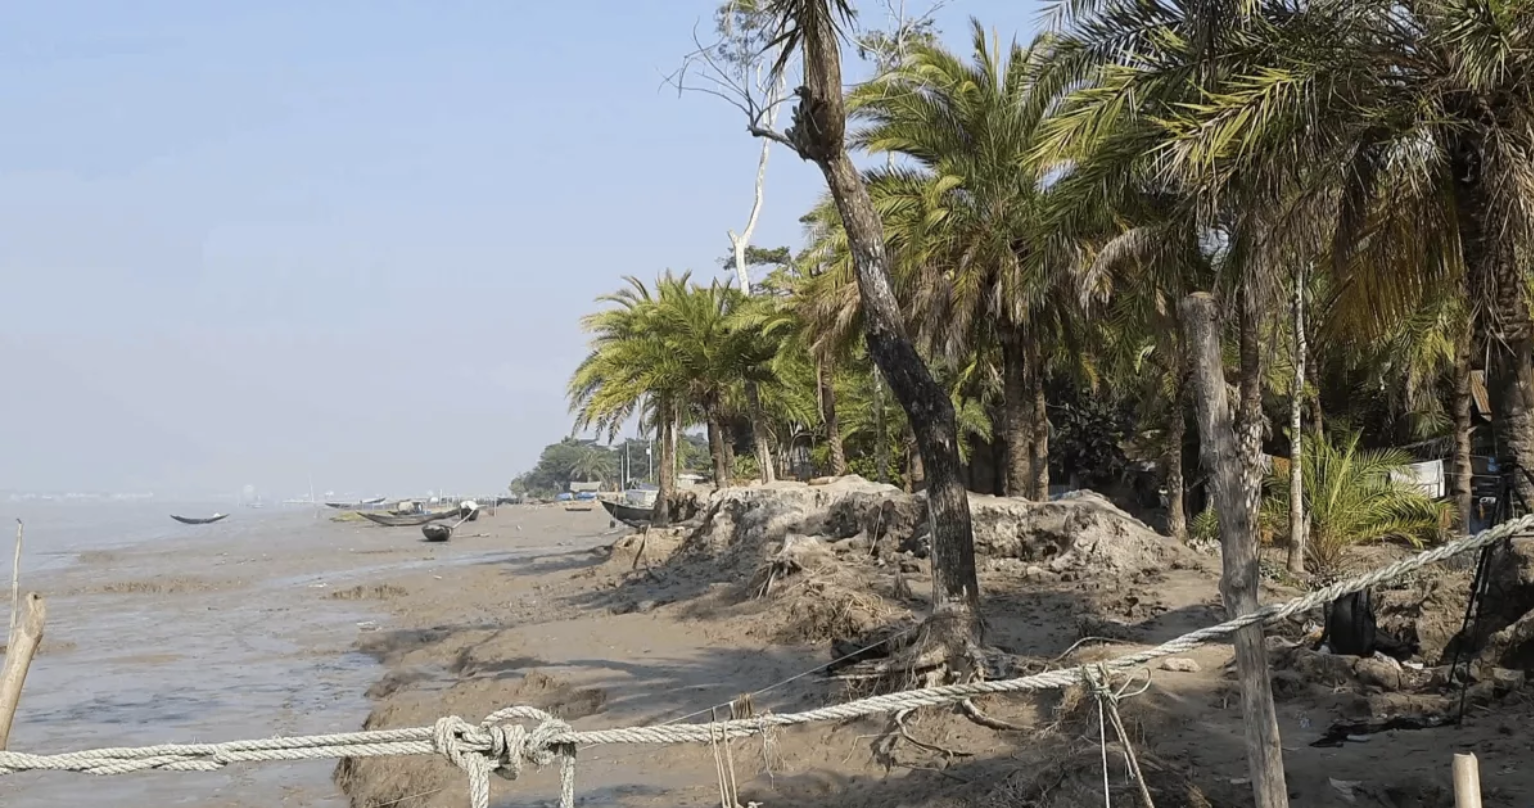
22, 646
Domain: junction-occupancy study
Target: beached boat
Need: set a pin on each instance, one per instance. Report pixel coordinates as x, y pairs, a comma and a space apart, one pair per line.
410, 520
634, 516
436, 531
195, 520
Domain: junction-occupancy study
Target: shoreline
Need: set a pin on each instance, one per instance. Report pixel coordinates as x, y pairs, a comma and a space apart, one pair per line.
578, 633
544, 607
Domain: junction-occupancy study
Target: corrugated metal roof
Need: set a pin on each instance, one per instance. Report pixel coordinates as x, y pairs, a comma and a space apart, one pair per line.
1478, 393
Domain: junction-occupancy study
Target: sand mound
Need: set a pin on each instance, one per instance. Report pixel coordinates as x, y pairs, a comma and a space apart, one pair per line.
742, 527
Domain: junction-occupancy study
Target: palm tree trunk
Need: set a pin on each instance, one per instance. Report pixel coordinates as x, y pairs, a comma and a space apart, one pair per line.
881, 431
827, 376
1496, 284
1235, 496
1460, 477
728, 436
1297, 524
1176, 507
1038, 423
819, 134
1317, 419
666, 471
759, 433
716, 450
1249, 412
1017, 416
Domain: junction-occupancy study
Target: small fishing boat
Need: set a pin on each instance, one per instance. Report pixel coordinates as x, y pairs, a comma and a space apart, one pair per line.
634, 516
196, 520
436, 531
410, 520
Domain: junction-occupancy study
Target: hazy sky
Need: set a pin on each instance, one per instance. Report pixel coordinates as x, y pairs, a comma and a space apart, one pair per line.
246, 242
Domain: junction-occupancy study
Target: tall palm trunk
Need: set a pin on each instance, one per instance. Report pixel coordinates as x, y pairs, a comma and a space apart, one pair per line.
881, 431
827, 381
716, 449
666, 469
1176, 430
1249, 416
1495, 283
1017, 415
760, 435
1298, 527
1460, 476
1317, 419
1038, 423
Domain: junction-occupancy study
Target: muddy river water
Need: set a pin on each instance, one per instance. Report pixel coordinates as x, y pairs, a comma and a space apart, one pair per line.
160, 632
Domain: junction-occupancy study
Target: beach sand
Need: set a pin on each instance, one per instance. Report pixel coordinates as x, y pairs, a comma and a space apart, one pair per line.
544, 607
584, 635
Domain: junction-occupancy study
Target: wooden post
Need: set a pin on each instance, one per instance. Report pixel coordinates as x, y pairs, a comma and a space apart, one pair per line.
1467, 781
1235, 500
18, 658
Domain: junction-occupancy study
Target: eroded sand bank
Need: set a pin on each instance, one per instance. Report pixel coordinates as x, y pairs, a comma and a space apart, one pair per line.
582, 632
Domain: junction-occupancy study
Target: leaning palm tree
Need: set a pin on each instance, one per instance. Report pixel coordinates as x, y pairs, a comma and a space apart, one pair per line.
810, 30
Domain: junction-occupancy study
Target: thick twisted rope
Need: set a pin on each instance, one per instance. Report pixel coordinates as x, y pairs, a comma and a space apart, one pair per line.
501, 746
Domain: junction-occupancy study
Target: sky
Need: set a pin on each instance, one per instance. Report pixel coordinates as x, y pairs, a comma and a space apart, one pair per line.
267, 242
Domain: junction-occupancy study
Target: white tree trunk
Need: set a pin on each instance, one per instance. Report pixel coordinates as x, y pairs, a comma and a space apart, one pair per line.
1298, 526
743, 240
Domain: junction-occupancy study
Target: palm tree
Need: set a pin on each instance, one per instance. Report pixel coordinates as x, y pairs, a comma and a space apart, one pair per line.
1352, 499
969, 229
1415, 128
630, 371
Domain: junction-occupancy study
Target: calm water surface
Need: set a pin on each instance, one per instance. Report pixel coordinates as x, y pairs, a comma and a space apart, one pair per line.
161, 632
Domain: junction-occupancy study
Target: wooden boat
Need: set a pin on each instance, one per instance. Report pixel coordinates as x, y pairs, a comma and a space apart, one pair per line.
634, 516
410, 520
193, 520
436, 531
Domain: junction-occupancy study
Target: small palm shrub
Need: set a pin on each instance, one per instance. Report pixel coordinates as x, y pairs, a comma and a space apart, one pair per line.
1350, 499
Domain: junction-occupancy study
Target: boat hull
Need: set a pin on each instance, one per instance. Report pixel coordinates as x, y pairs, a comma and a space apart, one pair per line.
631, 515
406, 521
192, 520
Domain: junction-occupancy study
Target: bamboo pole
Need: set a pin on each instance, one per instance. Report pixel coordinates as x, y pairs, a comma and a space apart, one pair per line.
1467, 781
15, 583
1235, 500
18, 658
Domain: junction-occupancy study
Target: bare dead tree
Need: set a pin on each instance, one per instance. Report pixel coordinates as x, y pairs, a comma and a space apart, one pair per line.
737, 66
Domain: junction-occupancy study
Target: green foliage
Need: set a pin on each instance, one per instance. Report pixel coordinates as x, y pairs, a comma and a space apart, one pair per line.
564, 462
1350, 499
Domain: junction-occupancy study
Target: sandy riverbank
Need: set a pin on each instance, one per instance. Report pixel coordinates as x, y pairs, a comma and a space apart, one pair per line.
580, 633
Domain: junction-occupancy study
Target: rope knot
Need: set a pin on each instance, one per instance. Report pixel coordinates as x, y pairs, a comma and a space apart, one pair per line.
495, 746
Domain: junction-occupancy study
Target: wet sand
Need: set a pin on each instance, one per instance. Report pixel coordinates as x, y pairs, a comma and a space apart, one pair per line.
213, 634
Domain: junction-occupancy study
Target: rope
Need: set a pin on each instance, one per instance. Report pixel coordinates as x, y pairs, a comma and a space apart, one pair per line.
502, 745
